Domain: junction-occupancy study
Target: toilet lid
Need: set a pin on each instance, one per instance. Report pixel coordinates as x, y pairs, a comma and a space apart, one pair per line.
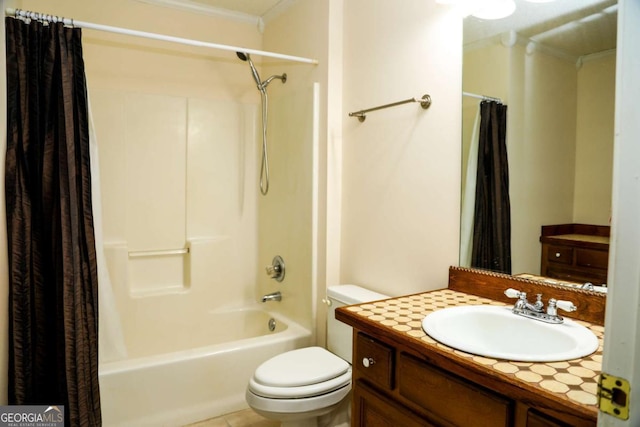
300, 367
304, 391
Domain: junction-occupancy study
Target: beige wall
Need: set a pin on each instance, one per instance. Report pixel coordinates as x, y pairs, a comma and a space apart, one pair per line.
542, 181
594, 139
401, 167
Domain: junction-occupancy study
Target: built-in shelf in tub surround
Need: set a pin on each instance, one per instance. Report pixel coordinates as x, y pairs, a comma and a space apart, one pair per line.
573, 380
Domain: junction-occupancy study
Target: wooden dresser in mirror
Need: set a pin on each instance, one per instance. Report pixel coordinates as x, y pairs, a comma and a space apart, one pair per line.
575, 252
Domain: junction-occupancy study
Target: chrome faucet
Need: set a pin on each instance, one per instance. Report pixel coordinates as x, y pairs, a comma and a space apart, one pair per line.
524, 304
275, 296
536, 311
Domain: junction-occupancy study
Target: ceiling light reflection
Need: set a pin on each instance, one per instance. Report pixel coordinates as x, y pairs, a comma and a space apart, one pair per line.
495, 9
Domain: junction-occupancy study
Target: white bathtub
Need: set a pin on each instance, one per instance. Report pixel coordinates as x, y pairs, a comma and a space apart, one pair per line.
198, 373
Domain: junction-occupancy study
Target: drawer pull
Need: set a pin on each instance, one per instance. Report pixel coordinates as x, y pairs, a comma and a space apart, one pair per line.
557, 254
368, 361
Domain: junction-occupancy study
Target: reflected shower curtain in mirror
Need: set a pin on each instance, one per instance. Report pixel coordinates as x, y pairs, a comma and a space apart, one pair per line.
469, 196
492, 214
53, 293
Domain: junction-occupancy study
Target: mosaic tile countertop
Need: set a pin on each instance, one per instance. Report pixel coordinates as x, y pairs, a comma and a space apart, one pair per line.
575, 380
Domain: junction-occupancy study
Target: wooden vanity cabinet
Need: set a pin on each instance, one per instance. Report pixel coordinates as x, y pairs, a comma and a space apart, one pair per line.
373, 409
395, 386
575, 252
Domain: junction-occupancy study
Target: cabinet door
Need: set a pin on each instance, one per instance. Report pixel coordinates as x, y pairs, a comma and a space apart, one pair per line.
373, 410
449, 397
536, 419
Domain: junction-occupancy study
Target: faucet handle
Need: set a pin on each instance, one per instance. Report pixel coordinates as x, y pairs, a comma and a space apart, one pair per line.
272, 270
276, 269
566, 305
512, 293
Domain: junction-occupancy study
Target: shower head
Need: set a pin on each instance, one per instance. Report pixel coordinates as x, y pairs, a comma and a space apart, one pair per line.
262, 85
245, 57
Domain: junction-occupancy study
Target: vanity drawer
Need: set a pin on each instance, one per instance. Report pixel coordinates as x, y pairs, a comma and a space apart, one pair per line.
560, 254
450, 397
374, 361
592, 258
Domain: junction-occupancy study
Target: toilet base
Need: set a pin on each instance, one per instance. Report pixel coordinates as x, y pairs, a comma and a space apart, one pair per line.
301, 423
336, 415
339, 416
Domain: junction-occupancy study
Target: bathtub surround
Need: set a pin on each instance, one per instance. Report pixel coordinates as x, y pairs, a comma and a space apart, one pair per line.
111, 344
53, 281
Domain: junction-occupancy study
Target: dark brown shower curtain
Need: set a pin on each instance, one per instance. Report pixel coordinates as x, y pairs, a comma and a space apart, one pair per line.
53, 287
492, 215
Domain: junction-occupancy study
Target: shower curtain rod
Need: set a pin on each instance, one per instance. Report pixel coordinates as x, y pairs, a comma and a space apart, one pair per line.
483, 97
19, 13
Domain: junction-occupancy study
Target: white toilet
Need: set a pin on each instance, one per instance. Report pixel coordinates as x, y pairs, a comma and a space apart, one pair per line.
304, 386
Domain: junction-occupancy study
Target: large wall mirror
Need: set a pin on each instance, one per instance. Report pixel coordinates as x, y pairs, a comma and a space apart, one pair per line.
553, 65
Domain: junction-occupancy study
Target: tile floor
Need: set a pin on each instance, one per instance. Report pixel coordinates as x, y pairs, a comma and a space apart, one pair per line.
245, 418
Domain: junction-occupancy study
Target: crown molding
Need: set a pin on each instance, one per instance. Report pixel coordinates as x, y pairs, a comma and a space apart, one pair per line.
596, 56
277, 10
510, 38
199, 8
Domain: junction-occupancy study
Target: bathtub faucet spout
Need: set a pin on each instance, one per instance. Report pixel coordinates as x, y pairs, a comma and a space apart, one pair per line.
275, 296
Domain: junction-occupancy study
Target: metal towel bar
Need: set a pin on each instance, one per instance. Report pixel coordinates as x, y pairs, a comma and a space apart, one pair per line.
425, 102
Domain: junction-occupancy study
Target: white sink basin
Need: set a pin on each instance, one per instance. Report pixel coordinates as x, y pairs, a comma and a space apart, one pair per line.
496, 332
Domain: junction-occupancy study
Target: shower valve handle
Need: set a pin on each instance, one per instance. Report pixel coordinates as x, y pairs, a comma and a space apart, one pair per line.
273, 271
276, 269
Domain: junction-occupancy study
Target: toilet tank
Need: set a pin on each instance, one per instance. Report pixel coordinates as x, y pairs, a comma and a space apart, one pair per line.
339, 335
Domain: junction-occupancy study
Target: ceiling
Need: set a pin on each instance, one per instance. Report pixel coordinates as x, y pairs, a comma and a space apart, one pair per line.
575, 27
257, 8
